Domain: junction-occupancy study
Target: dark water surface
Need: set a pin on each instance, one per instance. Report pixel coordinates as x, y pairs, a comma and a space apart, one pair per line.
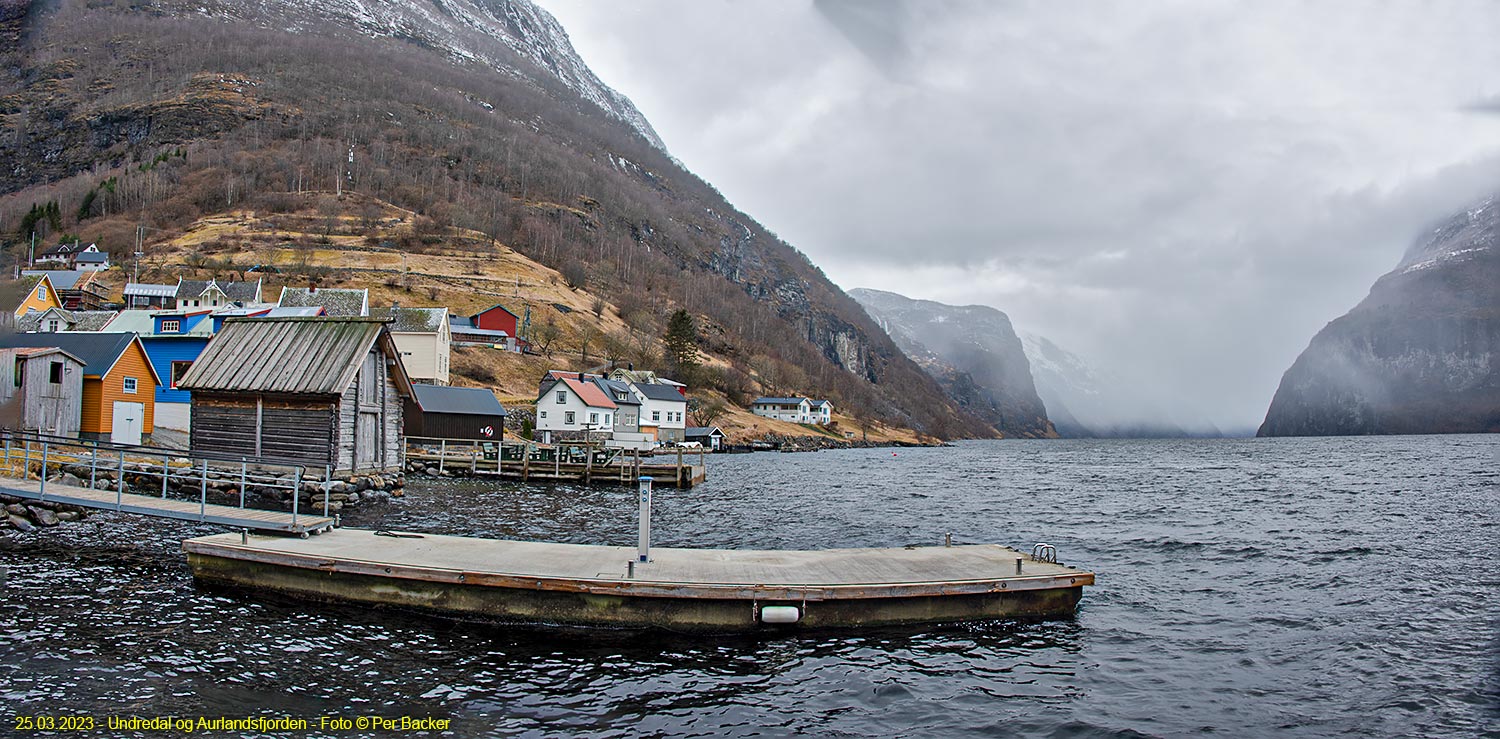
1311, 587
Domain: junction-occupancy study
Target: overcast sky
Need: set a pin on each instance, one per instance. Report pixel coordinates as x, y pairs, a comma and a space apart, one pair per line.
1181, 192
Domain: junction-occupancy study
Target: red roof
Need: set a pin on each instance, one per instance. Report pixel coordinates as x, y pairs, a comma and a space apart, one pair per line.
590, 393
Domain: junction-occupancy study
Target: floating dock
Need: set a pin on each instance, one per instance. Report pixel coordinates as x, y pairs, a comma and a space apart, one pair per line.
684, 589
200, 511
529, 462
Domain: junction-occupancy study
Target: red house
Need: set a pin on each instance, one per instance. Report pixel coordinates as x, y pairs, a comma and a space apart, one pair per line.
496, 318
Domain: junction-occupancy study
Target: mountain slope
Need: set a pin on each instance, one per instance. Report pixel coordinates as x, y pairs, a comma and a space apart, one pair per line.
1420, 354
972, 351
475, 114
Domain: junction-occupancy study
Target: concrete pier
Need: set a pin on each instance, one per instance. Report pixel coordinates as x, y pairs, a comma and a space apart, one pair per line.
691, 589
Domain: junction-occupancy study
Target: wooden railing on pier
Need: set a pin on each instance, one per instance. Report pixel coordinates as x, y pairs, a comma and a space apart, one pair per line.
588, 463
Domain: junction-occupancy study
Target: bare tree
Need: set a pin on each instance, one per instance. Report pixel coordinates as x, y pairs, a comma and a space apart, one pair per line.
543, 335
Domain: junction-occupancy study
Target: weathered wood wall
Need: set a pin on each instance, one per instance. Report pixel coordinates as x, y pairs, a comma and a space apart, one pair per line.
382, 398
44, 406
288, 430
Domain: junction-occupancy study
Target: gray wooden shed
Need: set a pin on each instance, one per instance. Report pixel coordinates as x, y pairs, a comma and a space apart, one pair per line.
316, 391
41, 389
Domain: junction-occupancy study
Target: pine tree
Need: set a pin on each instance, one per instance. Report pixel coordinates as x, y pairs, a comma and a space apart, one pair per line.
681, 339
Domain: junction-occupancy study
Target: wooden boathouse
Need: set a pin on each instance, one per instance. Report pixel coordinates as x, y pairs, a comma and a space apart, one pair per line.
314, 391
454, 413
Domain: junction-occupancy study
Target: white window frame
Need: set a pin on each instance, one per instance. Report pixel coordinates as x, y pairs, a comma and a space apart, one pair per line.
570, 418
656, 416
562, 397
173, 326
130, 385
542, 414
41, 292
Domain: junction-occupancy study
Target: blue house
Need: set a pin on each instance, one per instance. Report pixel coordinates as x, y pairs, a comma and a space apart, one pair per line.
173, 339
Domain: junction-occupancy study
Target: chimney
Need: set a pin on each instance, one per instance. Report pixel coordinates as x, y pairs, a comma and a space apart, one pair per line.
312, 286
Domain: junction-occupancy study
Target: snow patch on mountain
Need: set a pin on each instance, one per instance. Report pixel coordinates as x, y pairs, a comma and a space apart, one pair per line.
489, 32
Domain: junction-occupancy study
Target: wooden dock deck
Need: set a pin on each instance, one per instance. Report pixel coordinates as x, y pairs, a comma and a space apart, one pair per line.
679, 588
150, 505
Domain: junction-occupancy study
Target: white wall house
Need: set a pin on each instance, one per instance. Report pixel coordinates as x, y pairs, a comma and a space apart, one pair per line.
663, 410
795, 410
570, 408
425, 341
820, 412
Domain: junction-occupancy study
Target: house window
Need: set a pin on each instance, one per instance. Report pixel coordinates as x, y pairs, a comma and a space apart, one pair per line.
130, 386
52, 325
543, 414
171, 327
54, 373
656, 416
41, 292
607, 422
178, 370
562, 397
569, 418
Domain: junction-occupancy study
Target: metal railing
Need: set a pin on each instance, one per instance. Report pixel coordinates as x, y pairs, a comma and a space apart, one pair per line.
134, 470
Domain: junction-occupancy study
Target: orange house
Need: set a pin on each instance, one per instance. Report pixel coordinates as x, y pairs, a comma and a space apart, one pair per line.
40, 295
119, 384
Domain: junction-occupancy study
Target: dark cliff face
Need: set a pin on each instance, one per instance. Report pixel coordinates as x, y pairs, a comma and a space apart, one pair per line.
974, 353
1419, 355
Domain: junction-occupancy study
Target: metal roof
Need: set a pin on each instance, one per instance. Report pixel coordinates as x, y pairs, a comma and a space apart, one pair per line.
97, 351
588, 392
313, 356
617, 391
61, 279
819, 403
659, 392
778, 401
148, 290
470, 401
692, 431
93, 257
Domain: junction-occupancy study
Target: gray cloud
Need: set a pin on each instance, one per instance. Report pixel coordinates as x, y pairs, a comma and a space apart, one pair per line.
1183, 192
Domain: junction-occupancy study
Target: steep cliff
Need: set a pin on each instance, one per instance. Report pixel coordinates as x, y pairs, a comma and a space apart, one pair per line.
1419, 355
974, 353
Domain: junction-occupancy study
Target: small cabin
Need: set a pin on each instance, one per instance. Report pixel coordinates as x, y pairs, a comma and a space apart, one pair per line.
41, 390
315, 391
118, 399
439, 412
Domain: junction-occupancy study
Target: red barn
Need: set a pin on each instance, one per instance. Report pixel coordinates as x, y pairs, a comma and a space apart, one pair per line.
495, 318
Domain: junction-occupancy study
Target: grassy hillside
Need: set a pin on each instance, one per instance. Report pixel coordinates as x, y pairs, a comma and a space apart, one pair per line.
354, 241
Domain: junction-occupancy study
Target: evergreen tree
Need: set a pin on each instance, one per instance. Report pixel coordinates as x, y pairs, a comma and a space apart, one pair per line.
681, 339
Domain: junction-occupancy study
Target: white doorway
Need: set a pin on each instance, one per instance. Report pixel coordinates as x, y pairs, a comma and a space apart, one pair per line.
129, 423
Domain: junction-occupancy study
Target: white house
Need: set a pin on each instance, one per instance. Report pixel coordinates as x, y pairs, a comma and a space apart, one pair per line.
821, 412
91, 261
425, 341
213, 294
663, 410
570, 408
795, 410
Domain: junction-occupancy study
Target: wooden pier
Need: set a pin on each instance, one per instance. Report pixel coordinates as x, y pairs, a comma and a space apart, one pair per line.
587, 463
152, 482
149, 505
688, 589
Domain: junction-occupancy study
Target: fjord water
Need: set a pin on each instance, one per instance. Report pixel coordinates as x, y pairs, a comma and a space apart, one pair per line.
1271, 587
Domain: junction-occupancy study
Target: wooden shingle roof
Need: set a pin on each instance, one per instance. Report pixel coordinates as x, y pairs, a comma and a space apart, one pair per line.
296, 356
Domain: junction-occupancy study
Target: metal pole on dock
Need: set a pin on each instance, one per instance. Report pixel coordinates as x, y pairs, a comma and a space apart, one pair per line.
26, 460
242, 481
296, 493
166, 472
120, 488
643, 546
203, 493
442, 454
43, 486
327, 488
